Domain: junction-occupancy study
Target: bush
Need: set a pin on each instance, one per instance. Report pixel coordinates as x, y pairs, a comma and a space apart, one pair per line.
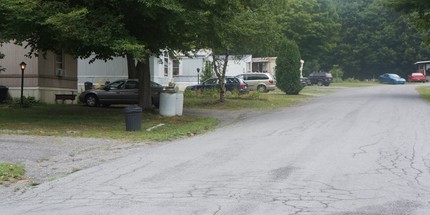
214, 93
337, 80
207, 72
288, 68
352, 80
26, 102
208, 93
10, 172
337, 72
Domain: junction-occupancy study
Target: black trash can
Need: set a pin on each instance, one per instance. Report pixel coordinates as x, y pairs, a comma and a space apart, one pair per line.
3, 93
133, 118
88, 85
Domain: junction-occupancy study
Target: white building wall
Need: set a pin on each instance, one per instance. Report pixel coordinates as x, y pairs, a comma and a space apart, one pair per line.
190, 65
100, 71
236, 66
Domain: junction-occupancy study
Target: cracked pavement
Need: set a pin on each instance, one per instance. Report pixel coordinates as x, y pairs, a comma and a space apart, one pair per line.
357, 151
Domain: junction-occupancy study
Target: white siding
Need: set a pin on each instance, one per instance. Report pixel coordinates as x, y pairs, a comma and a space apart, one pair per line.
101, 71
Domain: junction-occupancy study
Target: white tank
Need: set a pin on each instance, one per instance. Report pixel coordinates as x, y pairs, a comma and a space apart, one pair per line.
179, 104
168, 104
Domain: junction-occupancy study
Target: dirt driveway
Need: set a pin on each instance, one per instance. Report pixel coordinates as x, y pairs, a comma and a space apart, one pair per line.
46, 158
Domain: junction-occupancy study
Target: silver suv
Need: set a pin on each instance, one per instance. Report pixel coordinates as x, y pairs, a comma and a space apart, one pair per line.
263, 82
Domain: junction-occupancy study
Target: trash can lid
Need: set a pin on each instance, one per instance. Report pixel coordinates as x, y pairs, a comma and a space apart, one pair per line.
168, 90
132, 109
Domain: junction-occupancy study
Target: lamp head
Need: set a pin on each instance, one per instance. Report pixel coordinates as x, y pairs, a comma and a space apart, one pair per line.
22, 65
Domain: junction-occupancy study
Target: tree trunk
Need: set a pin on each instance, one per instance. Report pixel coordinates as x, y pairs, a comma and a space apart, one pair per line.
145, 98
131, 67
220, 73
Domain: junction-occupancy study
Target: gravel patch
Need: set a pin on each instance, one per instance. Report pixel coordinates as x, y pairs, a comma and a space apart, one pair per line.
47, 158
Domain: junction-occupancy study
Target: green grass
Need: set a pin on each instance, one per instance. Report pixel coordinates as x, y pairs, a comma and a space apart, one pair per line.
424, 92
254, 100
82, 121
10, 172
354, 84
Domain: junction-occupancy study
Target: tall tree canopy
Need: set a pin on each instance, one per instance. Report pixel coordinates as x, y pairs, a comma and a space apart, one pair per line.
374, 40
137, 29
132, 28
313, 25
288, 68
419, 11
235, 28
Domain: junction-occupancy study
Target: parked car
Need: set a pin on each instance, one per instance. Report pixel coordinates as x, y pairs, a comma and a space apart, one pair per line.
231, 84
389, 78
416, 77
304, 81
120, 92
320, 78
263, 82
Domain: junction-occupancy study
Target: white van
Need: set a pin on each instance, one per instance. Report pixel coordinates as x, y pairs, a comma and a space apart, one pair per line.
263, 82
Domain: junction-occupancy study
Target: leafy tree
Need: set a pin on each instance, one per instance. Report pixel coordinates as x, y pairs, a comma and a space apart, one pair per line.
138, 29
337, 72
419, 11
312, 24
207, 71
375, 40
135, 29
288, 68
233, 28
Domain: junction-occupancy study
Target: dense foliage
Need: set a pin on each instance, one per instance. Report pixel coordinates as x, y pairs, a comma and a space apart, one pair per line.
138, 29
419, 11
235, 28
288, 68
375, 40
363, 37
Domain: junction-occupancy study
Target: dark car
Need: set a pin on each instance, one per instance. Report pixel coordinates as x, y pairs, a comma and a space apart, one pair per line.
120, 92
389, 78
231, 84
320, 78
304, 81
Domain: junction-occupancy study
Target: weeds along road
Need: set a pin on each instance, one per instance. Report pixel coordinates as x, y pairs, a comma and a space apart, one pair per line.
357, 151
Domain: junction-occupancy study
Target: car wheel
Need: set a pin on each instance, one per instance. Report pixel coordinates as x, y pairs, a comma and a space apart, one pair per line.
261, 88
91, 100
106, 105
320, 83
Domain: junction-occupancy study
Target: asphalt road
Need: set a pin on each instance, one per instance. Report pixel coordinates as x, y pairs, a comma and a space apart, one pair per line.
358, 151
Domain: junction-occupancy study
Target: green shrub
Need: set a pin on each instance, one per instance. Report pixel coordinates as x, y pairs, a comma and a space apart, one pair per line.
337, 72
26, 102
337, 80
207, 72
253, 95
208, 93
351, 80
288, 68
10, 172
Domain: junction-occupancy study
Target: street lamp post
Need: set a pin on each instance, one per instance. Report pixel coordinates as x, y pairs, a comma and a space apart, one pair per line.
22, 66
198, 75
